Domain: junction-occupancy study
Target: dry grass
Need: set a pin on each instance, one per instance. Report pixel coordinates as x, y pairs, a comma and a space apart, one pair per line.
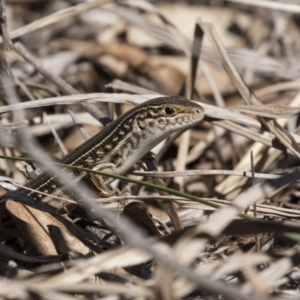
234, 178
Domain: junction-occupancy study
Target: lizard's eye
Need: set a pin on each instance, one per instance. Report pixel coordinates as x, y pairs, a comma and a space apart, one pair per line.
169, 111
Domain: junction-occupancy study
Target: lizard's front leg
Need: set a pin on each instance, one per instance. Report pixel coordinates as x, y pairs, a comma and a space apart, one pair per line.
99, 183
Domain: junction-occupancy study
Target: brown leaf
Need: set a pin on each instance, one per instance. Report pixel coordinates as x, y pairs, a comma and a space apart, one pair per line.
137, 212
34, 225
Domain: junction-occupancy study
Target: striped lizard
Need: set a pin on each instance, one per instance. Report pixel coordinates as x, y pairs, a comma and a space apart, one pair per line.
119, 145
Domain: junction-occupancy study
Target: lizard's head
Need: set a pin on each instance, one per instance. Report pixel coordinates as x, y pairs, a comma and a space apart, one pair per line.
169, 114
140, 129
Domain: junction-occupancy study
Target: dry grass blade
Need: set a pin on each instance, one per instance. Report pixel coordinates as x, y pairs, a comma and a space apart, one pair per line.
278, 87
288, 7
255, 136
205, 172
269, 111
211, 111
106, 289
83, 269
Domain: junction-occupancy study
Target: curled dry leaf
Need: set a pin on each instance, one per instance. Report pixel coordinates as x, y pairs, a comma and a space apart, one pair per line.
34, 225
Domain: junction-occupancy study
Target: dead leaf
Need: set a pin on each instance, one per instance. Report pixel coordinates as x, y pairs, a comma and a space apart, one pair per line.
34, 225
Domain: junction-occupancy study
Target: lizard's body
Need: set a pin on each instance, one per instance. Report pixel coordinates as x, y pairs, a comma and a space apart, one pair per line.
121, 143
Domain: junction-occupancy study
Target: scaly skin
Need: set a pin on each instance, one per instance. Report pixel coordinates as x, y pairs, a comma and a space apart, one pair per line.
121, 143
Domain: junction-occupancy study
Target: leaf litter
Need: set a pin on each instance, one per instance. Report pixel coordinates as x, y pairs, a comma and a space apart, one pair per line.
72, 68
